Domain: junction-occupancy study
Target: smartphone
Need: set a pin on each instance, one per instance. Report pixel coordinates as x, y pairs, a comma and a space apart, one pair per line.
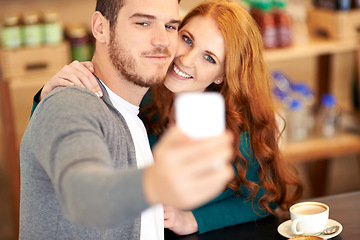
200, 115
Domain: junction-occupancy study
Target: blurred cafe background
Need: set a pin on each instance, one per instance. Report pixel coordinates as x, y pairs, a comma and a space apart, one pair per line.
312, 51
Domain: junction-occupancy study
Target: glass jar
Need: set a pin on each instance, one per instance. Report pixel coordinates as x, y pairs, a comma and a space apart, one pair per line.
261, 11
32, 31
11, 32
79, 41
326, 121
356, 4
53, 32
282, 24
296, 126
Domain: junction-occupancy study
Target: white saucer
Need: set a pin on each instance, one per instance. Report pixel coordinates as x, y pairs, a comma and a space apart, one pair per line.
285, 229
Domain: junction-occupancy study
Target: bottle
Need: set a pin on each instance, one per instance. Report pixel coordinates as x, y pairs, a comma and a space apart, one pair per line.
296, 129
356, 4
327, 116
79, 41
282, 24
302, 91
281, 81
335, 4
11, 32
315, 3
32, 30
344, 5
53, 33
260, 10
298, 13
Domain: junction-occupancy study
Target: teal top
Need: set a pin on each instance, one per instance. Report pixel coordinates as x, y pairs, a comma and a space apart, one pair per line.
228, 208
36, 101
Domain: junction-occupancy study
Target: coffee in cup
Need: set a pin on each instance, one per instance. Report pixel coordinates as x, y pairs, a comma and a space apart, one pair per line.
309, 218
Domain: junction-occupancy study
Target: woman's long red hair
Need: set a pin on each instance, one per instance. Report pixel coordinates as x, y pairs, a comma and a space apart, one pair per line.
249, 104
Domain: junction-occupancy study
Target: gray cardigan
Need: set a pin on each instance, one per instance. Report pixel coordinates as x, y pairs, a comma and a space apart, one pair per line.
79, 178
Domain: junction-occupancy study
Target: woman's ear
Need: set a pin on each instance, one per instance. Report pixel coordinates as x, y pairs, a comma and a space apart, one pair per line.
100, 27
219, 80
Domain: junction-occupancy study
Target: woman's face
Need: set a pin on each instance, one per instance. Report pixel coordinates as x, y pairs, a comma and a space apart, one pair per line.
200, 57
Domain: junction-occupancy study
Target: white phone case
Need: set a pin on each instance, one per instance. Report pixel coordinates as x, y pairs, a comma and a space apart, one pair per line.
200, 115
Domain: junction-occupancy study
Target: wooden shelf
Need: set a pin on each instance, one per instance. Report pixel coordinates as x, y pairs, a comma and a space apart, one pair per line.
322, 148
315, 47
323, 49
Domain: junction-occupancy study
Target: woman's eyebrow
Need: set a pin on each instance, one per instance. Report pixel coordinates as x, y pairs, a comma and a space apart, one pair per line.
213, 55
190, 34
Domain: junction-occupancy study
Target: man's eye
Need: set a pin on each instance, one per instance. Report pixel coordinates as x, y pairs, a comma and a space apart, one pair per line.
171, 27
209, 59
187, 40
142, 24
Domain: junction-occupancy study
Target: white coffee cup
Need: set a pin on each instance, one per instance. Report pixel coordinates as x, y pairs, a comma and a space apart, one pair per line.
309, 218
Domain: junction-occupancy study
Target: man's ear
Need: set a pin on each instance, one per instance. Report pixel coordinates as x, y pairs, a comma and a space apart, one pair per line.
100, 27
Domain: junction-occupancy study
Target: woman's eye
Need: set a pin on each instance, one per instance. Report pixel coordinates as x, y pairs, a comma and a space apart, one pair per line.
209, 59
187, 40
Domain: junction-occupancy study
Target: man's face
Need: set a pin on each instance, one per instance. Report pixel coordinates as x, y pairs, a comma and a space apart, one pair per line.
144, 40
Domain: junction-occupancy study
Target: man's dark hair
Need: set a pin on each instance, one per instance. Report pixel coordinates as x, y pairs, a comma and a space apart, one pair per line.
110, 9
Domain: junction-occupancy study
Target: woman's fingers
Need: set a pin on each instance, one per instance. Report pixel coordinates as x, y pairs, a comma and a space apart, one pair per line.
85, 75
73, 75
89, 65
79, 74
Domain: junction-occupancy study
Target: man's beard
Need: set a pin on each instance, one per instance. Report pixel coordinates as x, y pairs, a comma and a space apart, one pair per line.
125, 65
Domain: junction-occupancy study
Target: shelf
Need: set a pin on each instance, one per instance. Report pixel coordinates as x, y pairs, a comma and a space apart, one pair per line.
315, 47
322, 148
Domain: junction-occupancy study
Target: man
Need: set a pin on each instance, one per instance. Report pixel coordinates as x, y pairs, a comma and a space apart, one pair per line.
86, 166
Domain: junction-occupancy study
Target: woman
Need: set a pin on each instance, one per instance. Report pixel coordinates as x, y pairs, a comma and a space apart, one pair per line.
220, 49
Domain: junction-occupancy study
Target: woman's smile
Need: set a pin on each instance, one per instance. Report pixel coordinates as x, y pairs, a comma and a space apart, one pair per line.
180, 73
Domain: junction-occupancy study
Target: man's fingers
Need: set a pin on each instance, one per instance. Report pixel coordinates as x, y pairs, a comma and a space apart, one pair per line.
209, 186
190, 171
208, 159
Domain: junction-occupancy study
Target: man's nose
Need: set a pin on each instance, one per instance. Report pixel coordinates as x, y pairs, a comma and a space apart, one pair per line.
161, 37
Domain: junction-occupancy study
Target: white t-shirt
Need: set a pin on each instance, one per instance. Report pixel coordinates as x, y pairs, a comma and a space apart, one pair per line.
152, 219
